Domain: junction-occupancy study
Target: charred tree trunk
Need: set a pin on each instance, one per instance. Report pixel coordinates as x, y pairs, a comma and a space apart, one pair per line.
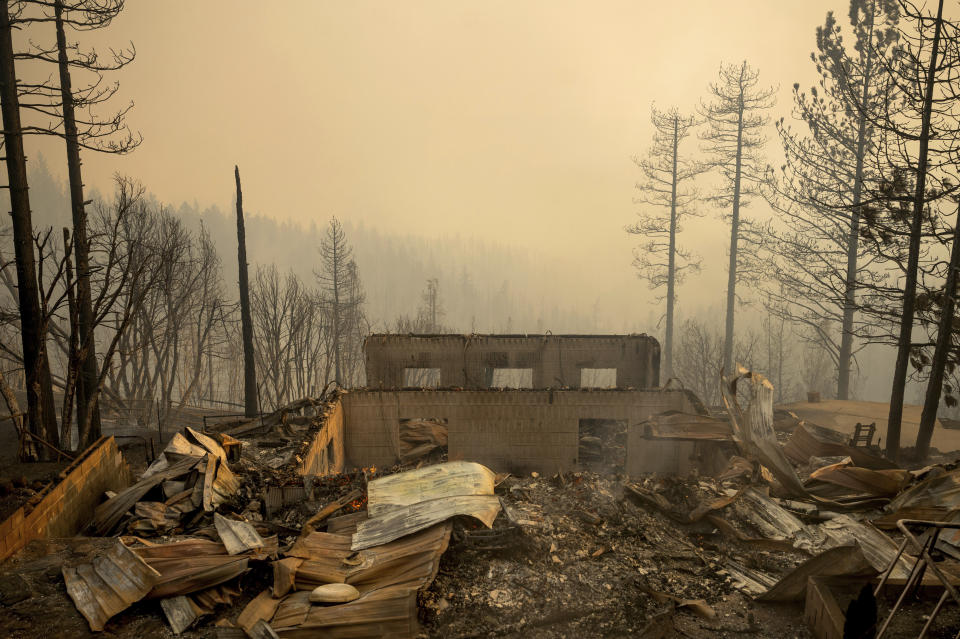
41, 413
73, 352
672, 258
913, 258
88, 408
944, 340
249, 364
853, 239
734, 236
336, 324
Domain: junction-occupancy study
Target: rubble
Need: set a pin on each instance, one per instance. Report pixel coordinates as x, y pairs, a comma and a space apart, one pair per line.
210, 544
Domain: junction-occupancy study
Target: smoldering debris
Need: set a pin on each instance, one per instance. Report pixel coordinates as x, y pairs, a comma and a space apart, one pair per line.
451, 549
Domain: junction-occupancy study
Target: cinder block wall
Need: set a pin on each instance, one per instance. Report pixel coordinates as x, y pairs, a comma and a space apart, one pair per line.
510, 430
556, 360
68, 506
321, 458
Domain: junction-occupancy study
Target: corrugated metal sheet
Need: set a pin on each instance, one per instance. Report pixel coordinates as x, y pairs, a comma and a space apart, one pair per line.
452, 479
405, 503
109, 584
411, 561
385, 613
410, 519
237, 536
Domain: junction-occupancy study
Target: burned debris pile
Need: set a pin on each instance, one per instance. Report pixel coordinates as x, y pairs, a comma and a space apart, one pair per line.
796, 533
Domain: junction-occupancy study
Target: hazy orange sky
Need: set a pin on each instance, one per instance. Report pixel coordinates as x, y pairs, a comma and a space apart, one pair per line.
512, 120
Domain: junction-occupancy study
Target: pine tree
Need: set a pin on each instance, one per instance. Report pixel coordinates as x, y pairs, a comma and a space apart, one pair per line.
734, 137
664, 188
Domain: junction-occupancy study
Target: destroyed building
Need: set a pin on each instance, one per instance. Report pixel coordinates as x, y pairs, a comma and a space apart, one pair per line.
570, 507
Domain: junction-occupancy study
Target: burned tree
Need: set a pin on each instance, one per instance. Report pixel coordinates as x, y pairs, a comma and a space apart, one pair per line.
67, 110
250, 404
735, 120
40, 407
341, 297
664, 187
945, 341
817, 256
290, 333
915, 162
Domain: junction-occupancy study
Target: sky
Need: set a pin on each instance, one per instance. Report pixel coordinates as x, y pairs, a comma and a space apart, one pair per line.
505, 120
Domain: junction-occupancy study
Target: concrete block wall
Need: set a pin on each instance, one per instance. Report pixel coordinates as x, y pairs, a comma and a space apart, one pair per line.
321, 458
466, 361
510, 430
67, 507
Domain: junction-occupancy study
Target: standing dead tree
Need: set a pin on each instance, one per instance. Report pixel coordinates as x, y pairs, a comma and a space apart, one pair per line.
171, 314
250, 403
341, 297
41, 413
915, 165
946, 334
816, 257
699, 357
289, 331
665, 188
68, 110
735, 121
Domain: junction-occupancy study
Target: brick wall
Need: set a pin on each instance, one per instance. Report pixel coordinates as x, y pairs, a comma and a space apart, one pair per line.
321, 457
67, 507
511, 430
465, 361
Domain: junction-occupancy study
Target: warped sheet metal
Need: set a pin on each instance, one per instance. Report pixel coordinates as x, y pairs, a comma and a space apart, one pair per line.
190, 443
181, 612
845, 561
754, 431
879, 483
192, 565
109, 584
261, 608
772, 520
677, 425
878, 549
387, 612
407, 520
346, 524
809, 440
177, 449
108, 514
411, 561
452, 479
420, 437
942, 491
237, 536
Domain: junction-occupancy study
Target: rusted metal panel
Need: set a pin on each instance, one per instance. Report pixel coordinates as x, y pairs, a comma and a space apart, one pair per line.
821, 612
237, 536
388, 612
109, 584
327, 558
